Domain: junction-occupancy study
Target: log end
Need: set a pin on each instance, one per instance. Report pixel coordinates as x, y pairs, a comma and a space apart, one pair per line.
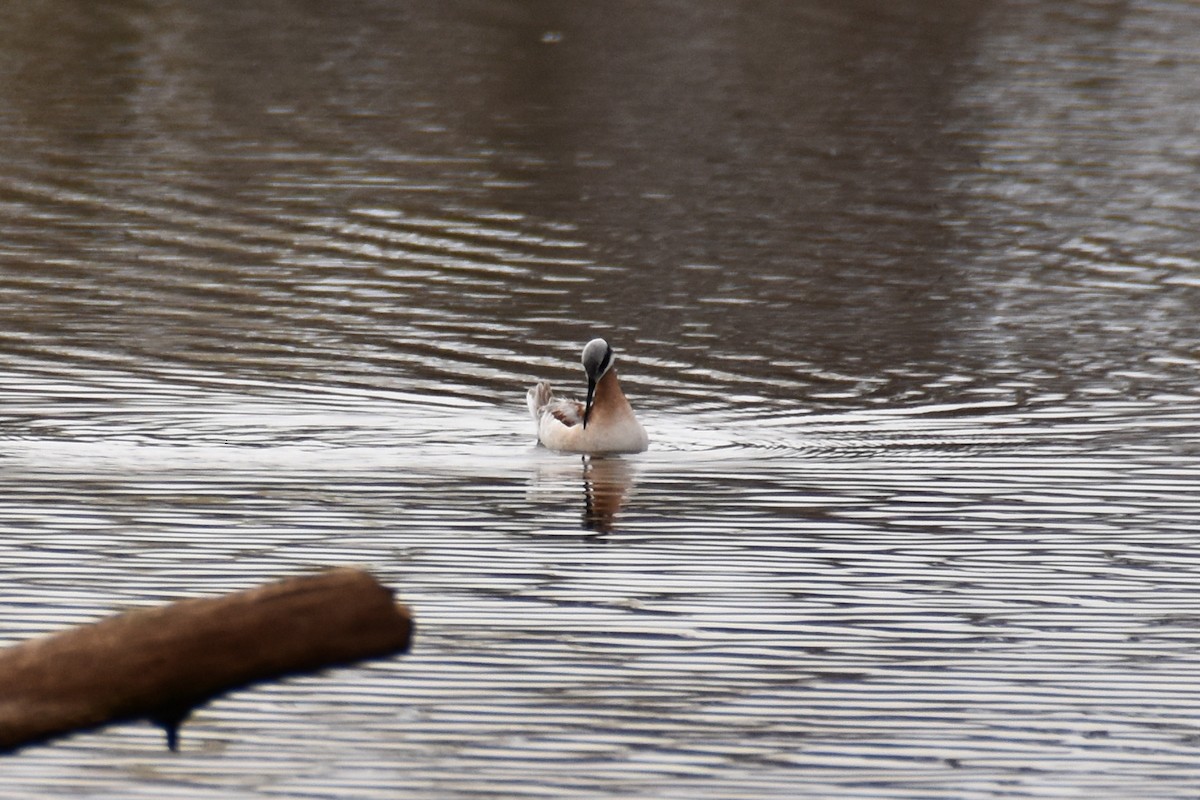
161, 663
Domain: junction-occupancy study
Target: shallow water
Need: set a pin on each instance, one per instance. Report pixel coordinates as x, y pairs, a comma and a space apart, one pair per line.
905, 295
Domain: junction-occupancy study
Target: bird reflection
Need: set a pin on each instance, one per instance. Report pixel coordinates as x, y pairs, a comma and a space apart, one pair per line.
607, 482
606, 485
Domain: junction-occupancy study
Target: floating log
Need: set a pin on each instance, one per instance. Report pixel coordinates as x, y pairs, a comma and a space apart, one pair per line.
160, 663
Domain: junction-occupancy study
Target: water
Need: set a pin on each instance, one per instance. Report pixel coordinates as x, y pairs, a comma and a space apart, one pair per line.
905, 294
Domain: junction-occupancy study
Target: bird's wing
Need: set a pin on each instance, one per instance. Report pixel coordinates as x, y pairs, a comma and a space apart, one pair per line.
568, 412
541, 400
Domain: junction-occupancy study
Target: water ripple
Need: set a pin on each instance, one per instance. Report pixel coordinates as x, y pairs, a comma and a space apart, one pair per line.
915, 348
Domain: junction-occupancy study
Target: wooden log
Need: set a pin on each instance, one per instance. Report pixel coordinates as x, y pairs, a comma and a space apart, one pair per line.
160, 663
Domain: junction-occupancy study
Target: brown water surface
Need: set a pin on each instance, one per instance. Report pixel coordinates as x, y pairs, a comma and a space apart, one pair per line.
907, 295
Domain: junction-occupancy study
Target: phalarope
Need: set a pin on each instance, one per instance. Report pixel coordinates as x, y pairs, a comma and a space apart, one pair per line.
603, 424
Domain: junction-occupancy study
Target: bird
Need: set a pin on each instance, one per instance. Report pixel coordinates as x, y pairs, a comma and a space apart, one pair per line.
604, 423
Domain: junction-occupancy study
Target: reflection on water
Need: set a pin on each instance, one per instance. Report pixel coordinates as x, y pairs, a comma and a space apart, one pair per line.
606, 484
909, 298
599, 486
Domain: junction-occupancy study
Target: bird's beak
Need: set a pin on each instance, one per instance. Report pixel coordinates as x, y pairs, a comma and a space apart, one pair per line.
587, 407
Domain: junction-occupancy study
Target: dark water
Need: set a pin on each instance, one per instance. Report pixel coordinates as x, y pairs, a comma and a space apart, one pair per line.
906, 294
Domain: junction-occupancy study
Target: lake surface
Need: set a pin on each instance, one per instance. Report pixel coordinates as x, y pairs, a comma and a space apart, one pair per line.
906, 294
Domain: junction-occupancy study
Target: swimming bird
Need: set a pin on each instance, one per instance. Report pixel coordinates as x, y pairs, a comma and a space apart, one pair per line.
605, 423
